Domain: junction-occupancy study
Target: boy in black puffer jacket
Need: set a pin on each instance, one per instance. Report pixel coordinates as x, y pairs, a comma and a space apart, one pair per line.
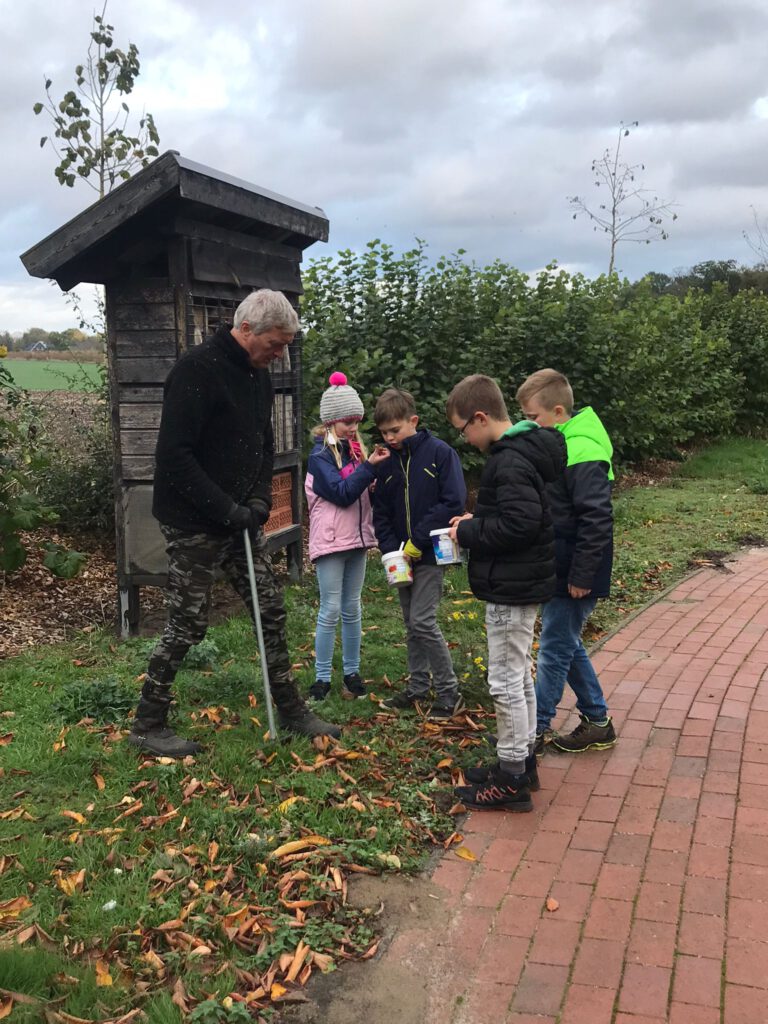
512, 567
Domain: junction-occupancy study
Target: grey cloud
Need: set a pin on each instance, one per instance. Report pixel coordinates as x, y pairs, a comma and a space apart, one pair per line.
466, 125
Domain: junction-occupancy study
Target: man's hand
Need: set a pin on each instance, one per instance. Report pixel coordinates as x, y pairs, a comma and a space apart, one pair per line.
259, 511
578, 592
241, 517
454, 524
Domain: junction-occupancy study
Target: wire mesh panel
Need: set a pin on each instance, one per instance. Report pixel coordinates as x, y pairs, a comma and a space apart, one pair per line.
205, 314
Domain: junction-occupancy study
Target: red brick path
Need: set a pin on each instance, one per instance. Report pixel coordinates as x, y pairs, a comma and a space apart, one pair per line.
657, 851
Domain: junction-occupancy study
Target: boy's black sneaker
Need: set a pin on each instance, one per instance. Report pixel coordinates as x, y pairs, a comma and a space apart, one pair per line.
500, 792
319, 690
482, 774
352, 687
399, 702
543, 739
444, 712
587, 735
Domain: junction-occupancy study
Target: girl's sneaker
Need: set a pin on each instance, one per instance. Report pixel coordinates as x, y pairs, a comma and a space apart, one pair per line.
353, 687
319, 690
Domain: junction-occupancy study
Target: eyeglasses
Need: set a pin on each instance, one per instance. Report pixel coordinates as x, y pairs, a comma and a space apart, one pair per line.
462, 429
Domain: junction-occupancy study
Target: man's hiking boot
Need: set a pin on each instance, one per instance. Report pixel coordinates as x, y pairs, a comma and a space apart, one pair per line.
293, 715
150, 730
352, 687
587, 735
500, 791
319, 690
299, 720
482, 774
399, 702
161, 741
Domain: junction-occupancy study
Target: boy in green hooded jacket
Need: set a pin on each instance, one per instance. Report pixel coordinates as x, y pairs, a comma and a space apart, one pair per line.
582, 513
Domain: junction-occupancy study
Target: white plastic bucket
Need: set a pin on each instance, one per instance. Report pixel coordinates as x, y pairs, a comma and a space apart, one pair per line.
447, 551
397, 569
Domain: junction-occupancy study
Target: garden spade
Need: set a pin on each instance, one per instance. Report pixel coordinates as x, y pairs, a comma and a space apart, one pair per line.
260, 636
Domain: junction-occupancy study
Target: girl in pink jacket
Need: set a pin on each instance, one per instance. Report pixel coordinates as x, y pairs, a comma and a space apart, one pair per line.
339, 474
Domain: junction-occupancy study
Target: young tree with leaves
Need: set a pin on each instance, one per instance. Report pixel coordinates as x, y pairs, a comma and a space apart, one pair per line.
631, 212
90, 129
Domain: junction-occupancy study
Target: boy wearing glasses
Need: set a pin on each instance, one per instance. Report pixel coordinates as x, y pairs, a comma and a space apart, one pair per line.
418, 489
511, 546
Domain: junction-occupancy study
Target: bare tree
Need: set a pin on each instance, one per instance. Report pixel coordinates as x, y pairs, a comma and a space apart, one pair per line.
757, 240
631, 213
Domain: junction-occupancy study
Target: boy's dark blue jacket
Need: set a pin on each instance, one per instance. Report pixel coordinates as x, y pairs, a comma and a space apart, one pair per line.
581, 507
418, 489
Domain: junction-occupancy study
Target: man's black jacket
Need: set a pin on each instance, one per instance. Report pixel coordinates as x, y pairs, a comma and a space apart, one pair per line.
215, 445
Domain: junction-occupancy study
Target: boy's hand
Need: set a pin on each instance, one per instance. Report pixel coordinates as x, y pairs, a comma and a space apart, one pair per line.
578, 592
454, 524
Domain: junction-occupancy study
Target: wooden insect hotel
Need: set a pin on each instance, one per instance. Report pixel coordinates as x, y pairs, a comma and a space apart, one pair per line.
177, 247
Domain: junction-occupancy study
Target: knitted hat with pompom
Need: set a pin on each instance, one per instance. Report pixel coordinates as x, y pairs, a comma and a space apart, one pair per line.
339, 401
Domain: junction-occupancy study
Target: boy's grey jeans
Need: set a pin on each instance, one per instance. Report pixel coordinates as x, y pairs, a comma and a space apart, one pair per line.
510, 640
427, 650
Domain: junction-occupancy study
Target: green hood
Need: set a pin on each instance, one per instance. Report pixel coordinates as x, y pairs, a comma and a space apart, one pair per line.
520, 428
587, 439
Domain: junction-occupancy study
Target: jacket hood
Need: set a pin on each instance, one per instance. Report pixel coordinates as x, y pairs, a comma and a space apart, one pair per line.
320, 446
587, 438
542, 446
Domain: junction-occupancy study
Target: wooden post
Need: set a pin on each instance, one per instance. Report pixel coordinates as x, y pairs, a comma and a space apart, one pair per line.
127, 602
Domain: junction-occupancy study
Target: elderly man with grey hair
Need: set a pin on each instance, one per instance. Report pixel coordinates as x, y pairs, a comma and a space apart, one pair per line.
213, 480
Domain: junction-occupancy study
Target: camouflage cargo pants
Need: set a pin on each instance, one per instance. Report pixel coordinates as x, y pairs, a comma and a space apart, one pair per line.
193, 559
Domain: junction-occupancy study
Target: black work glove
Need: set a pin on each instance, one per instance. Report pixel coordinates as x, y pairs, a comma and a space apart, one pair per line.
260, 510
241, 517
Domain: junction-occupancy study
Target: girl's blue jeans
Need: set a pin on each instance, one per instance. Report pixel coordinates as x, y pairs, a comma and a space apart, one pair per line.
563, 659
340, 579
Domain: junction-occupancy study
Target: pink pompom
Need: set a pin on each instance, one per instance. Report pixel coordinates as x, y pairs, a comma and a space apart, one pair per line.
337, 379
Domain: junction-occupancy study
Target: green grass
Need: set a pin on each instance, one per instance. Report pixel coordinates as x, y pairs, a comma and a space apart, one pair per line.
54, 375
389, 799
739, 459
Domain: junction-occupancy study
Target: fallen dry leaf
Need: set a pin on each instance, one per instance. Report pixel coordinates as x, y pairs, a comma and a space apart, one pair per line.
390, 859
465, 853
103, 977
300, 844
12, 908
179, 996
72, 883
75, 816
4, 741
99, 780
552, 904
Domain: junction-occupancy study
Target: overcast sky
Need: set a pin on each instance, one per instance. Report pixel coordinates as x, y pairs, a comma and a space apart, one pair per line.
464, 123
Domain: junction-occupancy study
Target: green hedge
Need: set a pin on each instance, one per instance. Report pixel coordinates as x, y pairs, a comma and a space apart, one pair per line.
660, 370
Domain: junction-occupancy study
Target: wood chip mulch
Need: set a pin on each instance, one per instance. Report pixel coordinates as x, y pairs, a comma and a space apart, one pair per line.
38, 608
